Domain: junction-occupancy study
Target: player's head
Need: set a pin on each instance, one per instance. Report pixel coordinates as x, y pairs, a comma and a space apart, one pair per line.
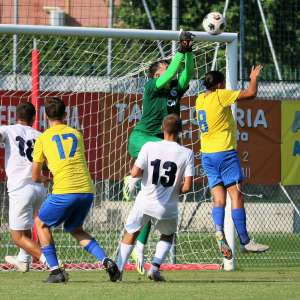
25, 112
172, 125
158, 67
55, 109
214, 80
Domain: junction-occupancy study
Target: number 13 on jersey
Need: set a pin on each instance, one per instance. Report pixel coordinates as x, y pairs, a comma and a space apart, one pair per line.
202, 122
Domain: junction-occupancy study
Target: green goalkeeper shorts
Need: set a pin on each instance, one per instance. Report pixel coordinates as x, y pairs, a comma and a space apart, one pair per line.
136, 141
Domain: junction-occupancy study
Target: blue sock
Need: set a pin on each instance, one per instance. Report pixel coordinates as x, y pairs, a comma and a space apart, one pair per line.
239, 220
218, 214
93, 248
50, 254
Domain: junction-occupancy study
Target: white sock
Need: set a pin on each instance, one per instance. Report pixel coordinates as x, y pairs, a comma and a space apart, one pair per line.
124, 253
162, 249
43, 260
23, 256
139, 248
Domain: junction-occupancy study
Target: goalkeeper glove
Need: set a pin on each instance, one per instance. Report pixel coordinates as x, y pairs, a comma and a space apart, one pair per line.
185, 42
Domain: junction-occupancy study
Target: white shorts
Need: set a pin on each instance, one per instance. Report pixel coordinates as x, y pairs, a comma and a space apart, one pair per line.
23, 202
137, 219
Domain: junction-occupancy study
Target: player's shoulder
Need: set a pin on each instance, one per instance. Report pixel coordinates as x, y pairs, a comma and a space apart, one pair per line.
150, 84
150, 145
200, 98
186, 150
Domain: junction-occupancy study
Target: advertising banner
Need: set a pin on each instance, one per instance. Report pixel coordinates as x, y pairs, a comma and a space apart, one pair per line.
290, 148
259, 140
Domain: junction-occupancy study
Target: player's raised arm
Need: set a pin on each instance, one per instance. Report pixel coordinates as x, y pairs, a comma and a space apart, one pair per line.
166, 75
251, 91
188, 71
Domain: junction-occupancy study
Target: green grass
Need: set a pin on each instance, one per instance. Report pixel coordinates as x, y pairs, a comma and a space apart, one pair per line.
283, 283
191, 248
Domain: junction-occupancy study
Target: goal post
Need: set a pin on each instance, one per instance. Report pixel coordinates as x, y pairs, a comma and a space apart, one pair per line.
73, 64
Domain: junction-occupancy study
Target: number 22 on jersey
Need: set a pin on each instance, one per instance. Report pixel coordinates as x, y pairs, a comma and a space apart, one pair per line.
58, 139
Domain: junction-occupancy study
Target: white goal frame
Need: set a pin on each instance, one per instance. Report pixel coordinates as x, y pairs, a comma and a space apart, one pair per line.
231, 68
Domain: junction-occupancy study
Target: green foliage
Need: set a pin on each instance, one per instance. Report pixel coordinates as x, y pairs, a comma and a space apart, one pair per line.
283, 18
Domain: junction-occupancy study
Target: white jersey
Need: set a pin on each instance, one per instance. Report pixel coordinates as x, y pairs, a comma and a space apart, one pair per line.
19, 142
164, 166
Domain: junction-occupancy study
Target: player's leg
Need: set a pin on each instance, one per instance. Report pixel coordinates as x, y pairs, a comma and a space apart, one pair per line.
138, 251
167, 230
125, 248
210, 163
73, 225
232, 176
135, 221
136, 140
21, 207
55, 209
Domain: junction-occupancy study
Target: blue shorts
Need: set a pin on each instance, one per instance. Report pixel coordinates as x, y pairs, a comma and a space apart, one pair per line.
222, 168
70, 209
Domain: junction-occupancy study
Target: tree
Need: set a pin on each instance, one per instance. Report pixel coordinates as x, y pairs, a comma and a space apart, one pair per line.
283, 26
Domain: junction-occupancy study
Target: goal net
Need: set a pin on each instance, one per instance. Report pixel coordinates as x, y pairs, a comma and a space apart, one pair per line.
101, 80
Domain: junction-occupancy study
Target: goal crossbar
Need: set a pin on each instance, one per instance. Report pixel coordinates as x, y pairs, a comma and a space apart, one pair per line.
114, 33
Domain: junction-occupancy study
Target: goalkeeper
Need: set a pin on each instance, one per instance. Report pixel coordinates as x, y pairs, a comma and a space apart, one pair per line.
162, 94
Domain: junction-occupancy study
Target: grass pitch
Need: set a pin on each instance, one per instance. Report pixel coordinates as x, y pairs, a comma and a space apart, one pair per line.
283, 283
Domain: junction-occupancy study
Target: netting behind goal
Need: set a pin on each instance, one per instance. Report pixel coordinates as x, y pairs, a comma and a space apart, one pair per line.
103, 90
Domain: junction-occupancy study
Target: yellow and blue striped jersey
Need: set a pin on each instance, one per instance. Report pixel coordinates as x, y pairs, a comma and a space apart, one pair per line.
62, 148
215, 120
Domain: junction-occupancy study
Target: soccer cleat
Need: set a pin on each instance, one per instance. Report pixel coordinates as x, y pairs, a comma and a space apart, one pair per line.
223, 245
252, 246
57, 276
155, 275
20, 266
112, 270
127, 189
139, 261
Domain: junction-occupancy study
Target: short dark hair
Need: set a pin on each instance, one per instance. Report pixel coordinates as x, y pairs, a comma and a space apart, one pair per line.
155, 66
55, 108
172, 124
212, 78
25, 112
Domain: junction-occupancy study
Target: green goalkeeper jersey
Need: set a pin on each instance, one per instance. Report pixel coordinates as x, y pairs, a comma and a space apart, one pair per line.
162, 98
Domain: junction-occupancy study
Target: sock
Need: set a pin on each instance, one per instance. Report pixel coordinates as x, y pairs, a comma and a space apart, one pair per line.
124, 252
23, 256
218, 214
139, 248
144, 234
51, 258
96, 250
239, 220
162, 249
42, 259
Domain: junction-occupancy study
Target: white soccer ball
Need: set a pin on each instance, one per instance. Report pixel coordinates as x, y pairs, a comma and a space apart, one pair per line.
214, 23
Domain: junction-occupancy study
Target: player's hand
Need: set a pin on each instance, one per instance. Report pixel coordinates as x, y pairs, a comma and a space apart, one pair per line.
45, 180
186, 42
255, 71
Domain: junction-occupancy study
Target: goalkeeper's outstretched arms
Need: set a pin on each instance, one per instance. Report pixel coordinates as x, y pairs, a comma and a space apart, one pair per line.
166, 72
